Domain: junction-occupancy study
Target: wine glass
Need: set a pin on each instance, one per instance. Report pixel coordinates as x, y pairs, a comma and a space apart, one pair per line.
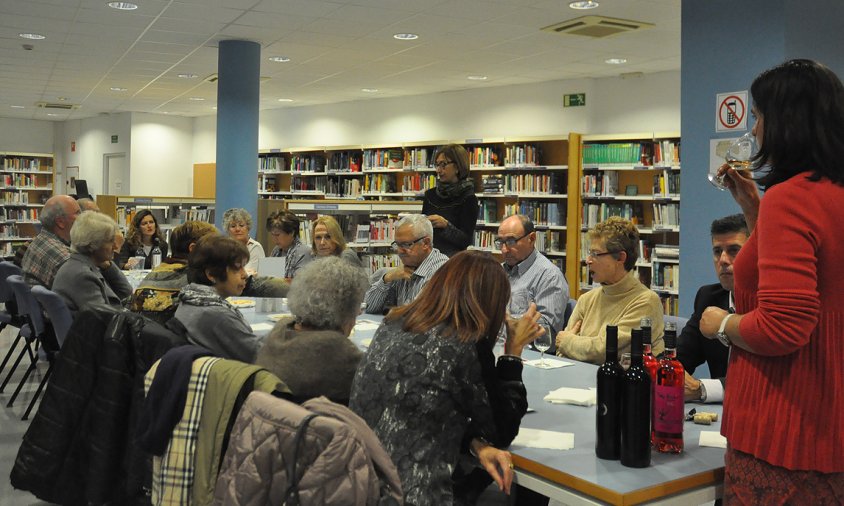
519, 304
543, 344
738, 156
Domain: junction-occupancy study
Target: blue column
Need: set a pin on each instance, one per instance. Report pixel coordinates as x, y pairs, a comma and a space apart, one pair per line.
725, 45
238, 88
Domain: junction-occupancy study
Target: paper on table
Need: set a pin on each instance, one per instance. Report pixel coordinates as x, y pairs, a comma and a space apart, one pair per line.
366, 342
576, 396
278, 316
536, 438
712, 438
550, 363
366, 325
258, 327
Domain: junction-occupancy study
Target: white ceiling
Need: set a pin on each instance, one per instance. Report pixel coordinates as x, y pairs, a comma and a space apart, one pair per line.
335, 47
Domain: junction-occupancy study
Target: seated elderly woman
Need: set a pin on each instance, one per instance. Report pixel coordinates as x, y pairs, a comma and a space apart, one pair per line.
311, 352
327, 240
237, 222
91, 276
215, 272
422, 374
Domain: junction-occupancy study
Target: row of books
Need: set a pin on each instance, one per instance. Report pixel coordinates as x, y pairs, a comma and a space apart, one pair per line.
603, 184
540, 212
483, 156
343, 188
670, 305
666, 215
661, 153
8, 231
344, 161
25, 180
666, 276
7, 249
383, 159
488, 211
20, 214
378, 230
667, 183
418, 183
521, 155
21, 163
10, 197
592, 214
376, 262
551, 241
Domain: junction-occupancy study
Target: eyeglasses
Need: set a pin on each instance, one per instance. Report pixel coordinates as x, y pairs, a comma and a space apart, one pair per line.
596, 254
405, 245
442, 165
509, 241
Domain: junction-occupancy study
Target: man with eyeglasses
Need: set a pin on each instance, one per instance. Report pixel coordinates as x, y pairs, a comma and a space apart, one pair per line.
420, 260
693, 349
533, 278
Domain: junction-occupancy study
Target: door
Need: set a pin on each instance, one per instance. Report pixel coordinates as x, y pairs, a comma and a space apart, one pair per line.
115, 174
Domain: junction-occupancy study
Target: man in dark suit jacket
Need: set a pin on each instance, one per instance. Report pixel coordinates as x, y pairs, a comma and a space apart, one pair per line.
693, 349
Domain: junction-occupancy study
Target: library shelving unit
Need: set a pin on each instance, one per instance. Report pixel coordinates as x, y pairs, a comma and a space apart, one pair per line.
635, 176
368, 226
28, 181
168, 211
529, 175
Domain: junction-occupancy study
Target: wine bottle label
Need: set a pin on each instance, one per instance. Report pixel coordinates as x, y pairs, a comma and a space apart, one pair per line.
668, 409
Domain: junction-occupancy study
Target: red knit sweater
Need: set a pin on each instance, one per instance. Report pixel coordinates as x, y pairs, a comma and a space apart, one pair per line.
785, 403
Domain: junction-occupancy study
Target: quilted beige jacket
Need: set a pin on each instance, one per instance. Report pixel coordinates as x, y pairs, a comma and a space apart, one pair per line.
341, 461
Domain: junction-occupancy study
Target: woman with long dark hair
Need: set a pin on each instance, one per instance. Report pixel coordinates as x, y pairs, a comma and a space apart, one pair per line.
784, 409
144, 234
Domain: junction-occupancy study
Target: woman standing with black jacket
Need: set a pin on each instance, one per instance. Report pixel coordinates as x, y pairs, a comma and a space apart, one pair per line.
452, 206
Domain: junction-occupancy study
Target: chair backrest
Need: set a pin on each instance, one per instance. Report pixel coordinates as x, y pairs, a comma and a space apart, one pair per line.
56, 309
569, 310
27, 305
679, 321
7, 269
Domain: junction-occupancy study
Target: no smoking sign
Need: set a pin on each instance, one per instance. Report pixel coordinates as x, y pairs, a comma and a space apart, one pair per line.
731, 111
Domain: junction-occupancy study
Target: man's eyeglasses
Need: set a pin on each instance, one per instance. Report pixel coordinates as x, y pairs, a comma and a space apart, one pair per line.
596, 254
509, 241
442, 165
405, 245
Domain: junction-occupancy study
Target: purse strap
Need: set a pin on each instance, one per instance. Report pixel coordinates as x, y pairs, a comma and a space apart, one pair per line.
291, 495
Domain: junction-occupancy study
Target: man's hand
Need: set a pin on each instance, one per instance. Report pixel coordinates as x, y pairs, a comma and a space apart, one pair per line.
437, 221
398, 274
710, 321
691, 388
566, 335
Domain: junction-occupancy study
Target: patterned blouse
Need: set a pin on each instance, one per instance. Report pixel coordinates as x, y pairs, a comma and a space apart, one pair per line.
419, 392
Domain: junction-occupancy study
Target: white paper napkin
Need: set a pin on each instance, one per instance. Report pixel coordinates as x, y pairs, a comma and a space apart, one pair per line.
551, 440
366, 325
550, 363
576, 396
366, 342
258, 327
712, 438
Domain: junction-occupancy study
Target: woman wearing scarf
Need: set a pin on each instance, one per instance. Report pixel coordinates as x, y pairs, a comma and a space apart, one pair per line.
452, 206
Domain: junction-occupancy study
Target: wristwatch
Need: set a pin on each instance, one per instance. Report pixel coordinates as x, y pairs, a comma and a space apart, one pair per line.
722, 334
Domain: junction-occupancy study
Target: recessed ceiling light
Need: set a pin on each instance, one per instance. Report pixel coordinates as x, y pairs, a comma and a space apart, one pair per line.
583, 4
33, 36
17, 107
196, 99
615, 61
477, 78
369, 90
117, 88
279, 59
285, 100
405, 36
52, 114
187, 76
123, 6
61, 99
215, 107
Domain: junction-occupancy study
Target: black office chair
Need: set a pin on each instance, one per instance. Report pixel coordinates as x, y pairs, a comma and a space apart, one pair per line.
9, 316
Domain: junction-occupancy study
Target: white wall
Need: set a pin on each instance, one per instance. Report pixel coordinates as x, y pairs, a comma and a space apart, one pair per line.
26, 135
613, 105
161, 160
93, 141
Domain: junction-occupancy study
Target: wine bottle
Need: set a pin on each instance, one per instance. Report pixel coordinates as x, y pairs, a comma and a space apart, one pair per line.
608, 415
668, 397
156, 255
636, 409
648, 360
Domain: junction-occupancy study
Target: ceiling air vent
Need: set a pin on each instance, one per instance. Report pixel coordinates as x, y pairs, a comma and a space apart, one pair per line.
60, 106
597, 26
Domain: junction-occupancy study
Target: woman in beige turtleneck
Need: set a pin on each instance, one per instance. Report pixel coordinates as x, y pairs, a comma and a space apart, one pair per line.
620, 300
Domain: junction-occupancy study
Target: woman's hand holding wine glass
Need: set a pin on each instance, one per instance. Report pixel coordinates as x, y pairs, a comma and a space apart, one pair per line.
522, 331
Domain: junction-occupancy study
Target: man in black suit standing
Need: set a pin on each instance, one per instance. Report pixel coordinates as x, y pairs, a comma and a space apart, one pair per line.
728, 236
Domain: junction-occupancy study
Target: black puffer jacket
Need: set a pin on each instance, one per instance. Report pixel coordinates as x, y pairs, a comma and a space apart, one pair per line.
77, 449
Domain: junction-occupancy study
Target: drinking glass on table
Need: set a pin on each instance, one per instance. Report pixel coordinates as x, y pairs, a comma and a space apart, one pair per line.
543, 344
738, 156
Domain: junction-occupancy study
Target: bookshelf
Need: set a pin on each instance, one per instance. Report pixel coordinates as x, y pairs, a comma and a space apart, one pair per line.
368, 226
635, 176
168, 211
28, 180
520, 174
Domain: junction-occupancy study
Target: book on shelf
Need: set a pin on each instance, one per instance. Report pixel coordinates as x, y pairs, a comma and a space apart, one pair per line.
492, 183
521, 156
668, 251
362, 235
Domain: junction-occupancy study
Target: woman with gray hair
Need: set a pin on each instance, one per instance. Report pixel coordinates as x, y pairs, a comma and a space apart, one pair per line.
311, 352
90, 276
237, 222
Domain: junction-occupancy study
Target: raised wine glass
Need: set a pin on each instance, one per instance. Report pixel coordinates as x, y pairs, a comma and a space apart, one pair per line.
738, 156
543, 344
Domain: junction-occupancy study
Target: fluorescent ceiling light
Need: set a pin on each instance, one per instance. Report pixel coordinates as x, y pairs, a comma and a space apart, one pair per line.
196, 99
17, 107
583, 5
52, 114
285, 100
405, 36
187, 76
123, 6
369, 90
477, 78
32, 36
615, 61
279, 59
117, 88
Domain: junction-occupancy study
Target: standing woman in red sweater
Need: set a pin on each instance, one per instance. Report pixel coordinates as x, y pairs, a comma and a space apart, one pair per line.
784, 410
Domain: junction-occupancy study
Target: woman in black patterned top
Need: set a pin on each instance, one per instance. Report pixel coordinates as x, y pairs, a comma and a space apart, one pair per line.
452, 206
420, 385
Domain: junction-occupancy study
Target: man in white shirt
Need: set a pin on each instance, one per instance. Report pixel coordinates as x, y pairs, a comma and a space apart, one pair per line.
693, 349
420, 260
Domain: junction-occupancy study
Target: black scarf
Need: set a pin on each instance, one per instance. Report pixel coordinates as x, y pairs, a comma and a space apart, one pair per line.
455, 191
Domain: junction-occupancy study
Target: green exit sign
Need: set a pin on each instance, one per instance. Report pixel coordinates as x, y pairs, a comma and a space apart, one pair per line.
574, 100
